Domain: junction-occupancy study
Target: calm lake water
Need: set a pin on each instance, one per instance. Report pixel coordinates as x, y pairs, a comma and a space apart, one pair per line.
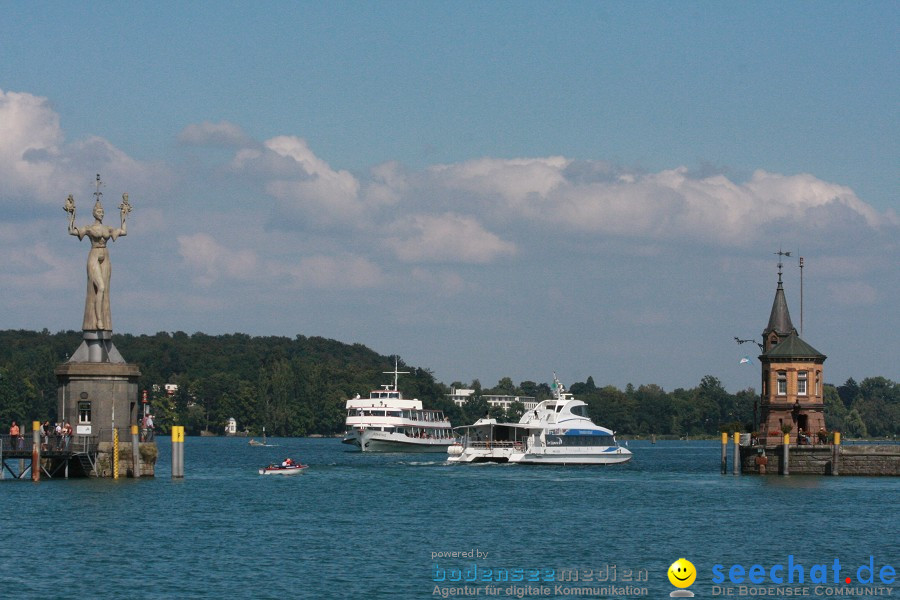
368, 526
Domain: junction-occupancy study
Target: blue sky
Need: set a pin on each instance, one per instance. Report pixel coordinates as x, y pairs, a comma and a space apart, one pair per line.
488, 189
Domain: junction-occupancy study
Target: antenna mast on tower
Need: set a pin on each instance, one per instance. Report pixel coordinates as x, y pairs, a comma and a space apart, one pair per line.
801, 296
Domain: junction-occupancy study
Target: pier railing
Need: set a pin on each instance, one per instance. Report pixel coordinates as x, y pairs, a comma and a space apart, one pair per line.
75, 444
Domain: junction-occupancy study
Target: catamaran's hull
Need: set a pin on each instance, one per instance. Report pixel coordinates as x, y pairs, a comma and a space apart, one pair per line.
609, 456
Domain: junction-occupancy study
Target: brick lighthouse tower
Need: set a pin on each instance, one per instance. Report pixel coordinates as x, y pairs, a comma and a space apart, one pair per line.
792, 379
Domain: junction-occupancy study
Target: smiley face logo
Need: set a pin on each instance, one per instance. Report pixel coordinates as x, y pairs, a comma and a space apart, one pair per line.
682, 573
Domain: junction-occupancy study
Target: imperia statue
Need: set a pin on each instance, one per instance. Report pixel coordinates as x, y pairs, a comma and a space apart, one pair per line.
96, 305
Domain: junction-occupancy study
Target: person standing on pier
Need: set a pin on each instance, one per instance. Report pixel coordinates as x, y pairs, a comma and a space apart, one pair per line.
46, 430
13, 434
67, 436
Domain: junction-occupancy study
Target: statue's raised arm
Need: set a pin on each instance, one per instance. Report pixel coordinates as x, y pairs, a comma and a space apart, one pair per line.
124, 209
69, 207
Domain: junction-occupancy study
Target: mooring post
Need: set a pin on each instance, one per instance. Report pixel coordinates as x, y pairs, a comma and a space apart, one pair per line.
724, 453
177, 451
115, 452
836, 453
181, 452
135, 453
36, 451
737, 453
785, 458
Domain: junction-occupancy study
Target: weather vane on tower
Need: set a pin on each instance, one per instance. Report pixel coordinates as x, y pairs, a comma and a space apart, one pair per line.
780, 264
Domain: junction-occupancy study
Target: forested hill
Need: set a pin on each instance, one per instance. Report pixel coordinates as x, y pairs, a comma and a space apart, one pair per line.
298, 386
292, 386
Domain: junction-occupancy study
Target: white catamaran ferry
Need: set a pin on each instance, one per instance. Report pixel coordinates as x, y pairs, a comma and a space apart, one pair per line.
556, 432
386, 422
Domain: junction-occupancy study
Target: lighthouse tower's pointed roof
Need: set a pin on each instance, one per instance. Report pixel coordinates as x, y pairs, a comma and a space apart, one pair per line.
780, 318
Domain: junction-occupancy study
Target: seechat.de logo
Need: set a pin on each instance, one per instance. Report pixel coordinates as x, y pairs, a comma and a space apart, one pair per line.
795, 572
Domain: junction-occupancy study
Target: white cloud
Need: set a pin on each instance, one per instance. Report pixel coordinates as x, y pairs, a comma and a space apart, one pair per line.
222, 134
297, 149
36, 266
35, 162
306, 187
589, 197
323, 201
671, 204
211, 261
387, 186
446, 238
30, 140
330, 272
524, 184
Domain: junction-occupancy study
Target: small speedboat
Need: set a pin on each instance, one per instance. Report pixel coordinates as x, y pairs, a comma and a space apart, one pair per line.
279, 470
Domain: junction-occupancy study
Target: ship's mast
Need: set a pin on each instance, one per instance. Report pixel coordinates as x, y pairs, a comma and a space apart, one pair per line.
395, 373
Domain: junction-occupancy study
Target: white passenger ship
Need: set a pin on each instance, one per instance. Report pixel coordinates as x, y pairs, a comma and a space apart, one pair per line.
386, 422
556, 432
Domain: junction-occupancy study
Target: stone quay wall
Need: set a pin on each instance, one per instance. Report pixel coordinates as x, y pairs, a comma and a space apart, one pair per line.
855, 459
147, 453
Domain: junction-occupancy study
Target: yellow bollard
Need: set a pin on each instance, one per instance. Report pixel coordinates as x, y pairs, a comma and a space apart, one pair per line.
177, 451
135, 453
785, 459
724, 452
115, 453
736, 467
35, 451
836, 454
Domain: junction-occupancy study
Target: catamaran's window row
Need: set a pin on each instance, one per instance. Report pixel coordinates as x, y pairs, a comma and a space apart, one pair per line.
409, 415
551, 440
581, 440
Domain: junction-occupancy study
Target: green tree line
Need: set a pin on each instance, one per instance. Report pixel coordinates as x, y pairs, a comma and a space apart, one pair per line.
298, 386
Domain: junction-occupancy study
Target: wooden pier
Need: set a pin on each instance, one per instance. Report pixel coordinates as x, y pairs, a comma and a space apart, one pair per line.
56, 457
79, 456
